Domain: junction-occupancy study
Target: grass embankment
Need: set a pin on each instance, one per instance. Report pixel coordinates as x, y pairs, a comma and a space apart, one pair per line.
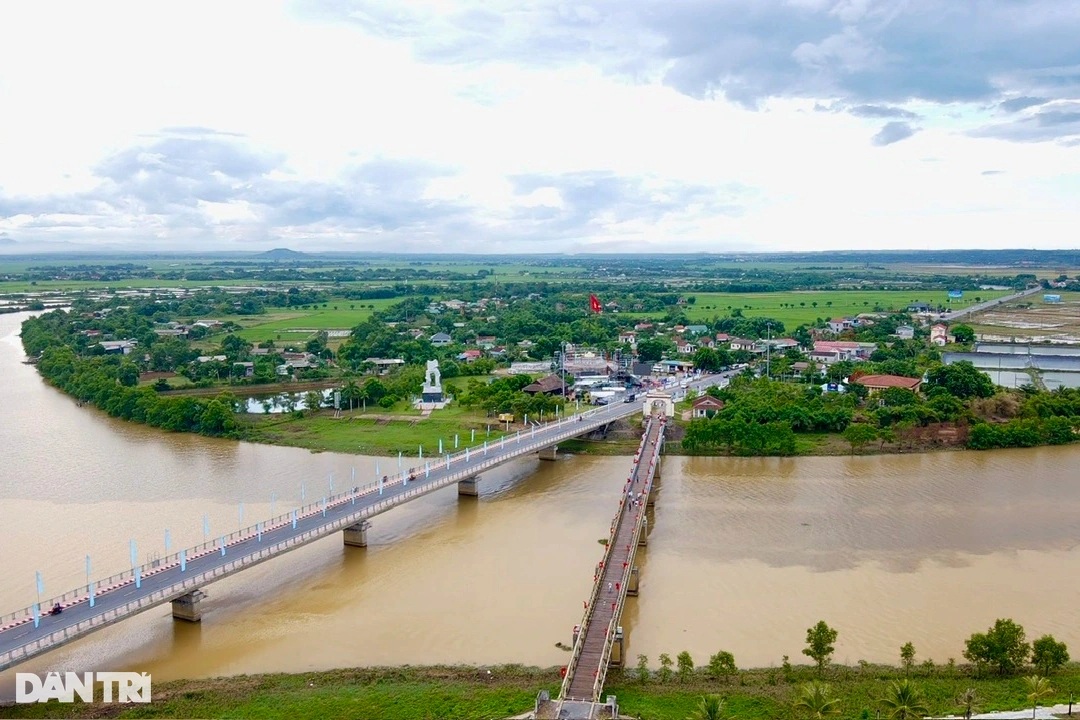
376, 431
465, 693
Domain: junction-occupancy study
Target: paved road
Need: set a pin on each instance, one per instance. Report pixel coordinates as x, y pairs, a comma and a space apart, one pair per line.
119, 597
991, 303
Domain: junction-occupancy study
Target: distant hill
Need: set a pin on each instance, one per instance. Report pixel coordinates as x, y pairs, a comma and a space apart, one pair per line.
281, 254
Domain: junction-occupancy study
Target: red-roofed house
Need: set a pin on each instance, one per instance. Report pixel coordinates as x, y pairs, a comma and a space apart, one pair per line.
706, 406
877, 383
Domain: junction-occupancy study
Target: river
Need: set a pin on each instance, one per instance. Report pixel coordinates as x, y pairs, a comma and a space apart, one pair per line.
744, 554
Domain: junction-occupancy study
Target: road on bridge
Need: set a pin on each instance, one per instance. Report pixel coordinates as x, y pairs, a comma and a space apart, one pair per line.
161, 582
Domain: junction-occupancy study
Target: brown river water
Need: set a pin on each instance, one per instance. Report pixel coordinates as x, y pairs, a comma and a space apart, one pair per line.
744, 554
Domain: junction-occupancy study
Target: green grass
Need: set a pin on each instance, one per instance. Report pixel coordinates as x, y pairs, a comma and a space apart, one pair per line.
339, 314
372, 433
468, 693
798, 307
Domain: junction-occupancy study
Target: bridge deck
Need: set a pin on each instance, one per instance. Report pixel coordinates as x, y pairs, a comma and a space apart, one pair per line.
592, 652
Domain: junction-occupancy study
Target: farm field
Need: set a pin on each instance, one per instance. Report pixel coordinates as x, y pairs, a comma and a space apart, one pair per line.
799, 307
300, 325
1031, 320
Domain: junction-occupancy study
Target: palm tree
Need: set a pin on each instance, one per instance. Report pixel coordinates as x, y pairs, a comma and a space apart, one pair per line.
351, 392
904, 700
1038, 688
710, 707
817, 701
968, 699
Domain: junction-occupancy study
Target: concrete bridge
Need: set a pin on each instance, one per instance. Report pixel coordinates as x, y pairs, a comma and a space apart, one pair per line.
179, 578
599, 639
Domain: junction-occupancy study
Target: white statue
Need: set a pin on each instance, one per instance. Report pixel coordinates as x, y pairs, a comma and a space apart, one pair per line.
434, 377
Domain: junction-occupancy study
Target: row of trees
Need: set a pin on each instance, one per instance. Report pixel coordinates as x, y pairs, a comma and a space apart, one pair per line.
1002, 647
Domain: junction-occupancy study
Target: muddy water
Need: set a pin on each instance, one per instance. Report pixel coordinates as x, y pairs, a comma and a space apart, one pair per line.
744, 555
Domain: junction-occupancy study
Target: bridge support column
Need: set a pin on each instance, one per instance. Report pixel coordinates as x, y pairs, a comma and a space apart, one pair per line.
643, 538
186, 607
549, 453
356, 535
468, 488
632, 582
616, 660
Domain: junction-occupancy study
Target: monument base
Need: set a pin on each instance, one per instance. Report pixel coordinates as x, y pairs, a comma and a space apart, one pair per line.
435, 396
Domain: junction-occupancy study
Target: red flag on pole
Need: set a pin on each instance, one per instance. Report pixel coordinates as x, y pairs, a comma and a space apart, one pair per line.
594, 303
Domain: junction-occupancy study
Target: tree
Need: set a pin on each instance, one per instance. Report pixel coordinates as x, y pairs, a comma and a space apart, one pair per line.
1002, 646
665, 668
709, 707
967, 700
819, 644
907, 656
963, 334
642, 669
722, 664
859, 434
903, 700
1048, 654
817, 701
686, 666
1038, 688
961, 379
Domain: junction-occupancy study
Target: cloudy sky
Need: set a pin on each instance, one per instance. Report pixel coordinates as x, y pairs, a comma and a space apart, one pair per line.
537, 126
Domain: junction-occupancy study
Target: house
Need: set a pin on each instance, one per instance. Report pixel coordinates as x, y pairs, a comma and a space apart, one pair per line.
706, 406
847, 349
741, 344
685, 347
643, 326
470, 355
918, 307
877, 383
939, 335
441, 339
838, 325
485, 342
779, 344
550, 385
905, 332
629, 338
697, 329
247, 369
118, 347
798, 369
384, 365
210, 358
723, 337
526, 344
179, 331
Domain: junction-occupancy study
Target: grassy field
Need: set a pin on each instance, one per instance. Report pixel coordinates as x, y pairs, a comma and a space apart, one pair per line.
298, 325
465, 693
377, 431
796, 308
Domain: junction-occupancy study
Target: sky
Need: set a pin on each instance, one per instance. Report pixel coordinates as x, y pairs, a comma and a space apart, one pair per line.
488, 126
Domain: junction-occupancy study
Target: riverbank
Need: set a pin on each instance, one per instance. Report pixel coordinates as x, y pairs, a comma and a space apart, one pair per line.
469, 693
381, 433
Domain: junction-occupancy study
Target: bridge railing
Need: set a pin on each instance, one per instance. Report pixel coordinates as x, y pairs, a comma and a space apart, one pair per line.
598, 581
565, 428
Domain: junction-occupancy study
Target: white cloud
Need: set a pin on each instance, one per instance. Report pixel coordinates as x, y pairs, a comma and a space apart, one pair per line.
460, 126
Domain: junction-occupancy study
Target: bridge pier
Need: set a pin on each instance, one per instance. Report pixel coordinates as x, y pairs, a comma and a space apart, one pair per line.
549, 453
468, 488
616, 659
643, 538
186, 607
356, 535
632, 582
